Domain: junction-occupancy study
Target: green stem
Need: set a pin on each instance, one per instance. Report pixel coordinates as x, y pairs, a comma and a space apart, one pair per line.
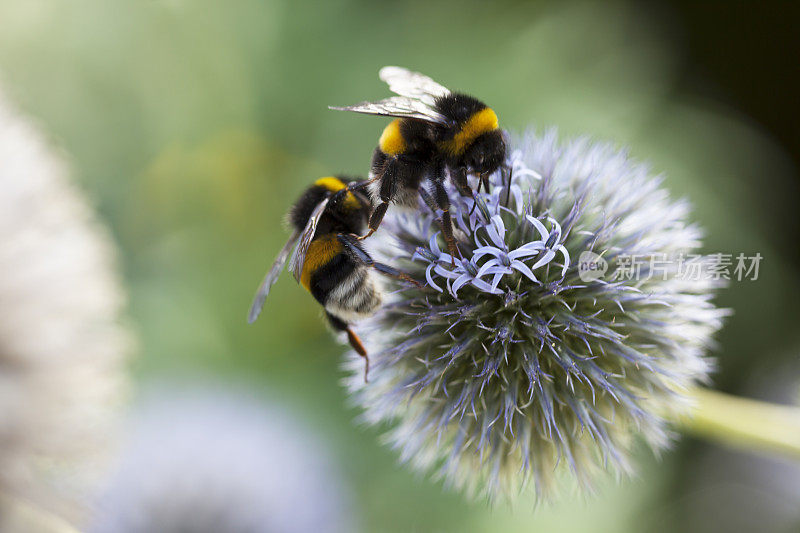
745, 423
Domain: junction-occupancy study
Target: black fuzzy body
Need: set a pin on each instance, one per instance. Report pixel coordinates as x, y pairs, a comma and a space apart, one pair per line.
401, 175
336, 218
343, 285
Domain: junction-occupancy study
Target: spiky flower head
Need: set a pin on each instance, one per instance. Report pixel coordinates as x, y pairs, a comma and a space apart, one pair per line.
514, 364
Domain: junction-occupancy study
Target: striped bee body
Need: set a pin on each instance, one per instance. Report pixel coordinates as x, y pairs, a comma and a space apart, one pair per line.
346, 288
328, 259
470, 135
471, 140
436, 134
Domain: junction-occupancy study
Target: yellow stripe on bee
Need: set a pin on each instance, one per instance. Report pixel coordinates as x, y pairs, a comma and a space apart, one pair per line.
392, 141
319, 253
481, 122
334, 184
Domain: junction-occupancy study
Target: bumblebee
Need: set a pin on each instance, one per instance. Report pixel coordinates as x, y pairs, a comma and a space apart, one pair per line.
436, 132
327, 258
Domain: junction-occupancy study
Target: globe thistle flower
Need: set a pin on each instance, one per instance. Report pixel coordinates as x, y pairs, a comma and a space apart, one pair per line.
216, 460
62, 347
510, 366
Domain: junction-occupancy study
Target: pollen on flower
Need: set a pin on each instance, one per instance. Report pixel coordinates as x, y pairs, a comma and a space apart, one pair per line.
506, 366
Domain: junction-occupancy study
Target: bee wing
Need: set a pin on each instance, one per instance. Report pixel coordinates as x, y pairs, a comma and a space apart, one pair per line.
299, 255
271, 277
412, 84
397, 106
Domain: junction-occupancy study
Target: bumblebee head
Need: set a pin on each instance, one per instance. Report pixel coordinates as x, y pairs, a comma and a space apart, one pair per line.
348, 210
341, 201
486, 153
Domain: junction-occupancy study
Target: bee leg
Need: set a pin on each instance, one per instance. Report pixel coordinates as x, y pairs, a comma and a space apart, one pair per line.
350, 242
354, 250
459, 177
483, 181
440, 195
358, 346
442, 224
358, 185
447, 229
428, 199
375, 219
484, 178
460, 180
387, 191
431, 203
340, 325
506, 171
392, 272
337, 197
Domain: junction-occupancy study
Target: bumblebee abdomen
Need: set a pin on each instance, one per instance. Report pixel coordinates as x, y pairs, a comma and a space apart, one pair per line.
355, 297
345, 288
322, 256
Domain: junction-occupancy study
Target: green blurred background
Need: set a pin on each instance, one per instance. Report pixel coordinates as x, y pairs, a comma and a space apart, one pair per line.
194, 124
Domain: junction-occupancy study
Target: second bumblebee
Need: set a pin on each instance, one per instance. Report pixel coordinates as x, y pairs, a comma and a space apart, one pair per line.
328, 259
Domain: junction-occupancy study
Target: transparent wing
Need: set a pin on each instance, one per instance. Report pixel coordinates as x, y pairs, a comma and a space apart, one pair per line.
397, 106
412, 84
271, 277
299, 255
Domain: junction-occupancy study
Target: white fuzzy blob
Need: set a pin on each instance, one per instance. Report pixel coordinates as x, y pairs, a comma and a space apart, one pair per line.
62, 348
213, 461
